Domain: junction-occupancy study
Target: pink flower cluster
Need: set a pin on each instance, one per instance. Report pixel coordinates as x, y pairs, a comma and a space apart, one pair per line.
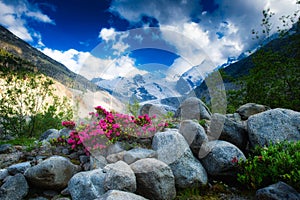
109, 127
68, 124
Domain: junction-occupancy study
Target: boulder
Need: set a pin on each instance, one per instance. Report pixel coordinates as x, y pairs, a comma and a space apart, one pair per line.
119, 176
194, 134
228, 130
52, 173
138, 153
97, 161
155, 179
6, 148
245, 111
172, 149
273, 126
14, 187
18, 168
87, 185
49, 134
10, 158
221, 158
120, 195
193, 108
150, 109
3, 174
112, 158
277, 191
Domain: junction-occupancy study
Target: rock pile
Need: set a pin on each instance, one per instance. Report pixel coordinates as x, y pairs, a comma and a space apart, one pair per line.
179, 158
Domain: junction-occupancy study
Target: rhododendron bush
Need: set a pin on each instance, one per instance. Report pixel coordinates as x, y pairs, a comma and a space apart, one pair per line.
106, 128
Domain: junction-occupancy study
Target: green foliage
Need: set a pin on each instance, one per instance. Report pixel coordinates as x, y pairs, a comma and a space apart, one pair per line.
133, 108
268, 165
275, 78
28, 105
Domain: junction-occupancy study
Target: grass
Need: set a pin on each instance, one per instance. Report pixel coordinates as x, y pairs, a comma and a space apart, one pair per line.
30, 143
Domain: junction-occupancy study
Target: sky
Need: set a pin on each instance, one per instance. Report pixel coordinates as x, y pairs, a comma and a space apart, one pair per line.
111, 38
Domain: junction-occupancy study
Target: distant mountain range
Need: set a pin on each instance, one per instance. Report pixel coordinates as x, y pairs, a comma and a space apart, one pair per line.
46, 65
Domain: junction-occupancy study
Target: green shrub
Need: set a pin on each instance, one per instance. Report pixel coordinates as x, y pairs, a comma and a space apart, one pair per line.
268, 165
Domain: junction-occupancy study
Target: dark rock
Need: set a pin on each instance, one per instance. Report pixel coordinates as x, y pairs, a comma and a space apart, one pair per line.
278, 191
15, 187
245, 111
6, 148
18, 168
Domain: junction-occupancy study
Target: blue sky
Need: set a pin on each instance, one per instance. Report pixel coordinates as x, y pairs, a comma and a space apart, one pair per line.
109, 38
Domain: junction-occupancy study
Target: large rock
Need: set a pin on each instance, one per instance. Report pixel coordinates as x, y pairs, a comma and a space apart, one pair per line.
172, 149
15, 187
228, 130
194, 134
155, 179
221, 157
3, 174
18, 168
52, 173
245, 111
6, 148
119, 176
273, 126
138, 153
278, 191
87, 185
193, 108
120, 195
49, 134
10, 158
150, 109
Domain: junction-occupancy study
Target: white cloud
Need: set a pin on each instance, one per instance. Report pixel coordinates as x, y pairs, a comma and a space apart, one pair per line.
84, 63
233, 20
13, 15
107, 34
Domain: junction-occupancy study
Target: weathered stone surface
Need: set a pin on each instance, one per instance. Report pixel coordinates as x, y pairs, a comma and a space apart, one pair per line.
6, 148
52, 173
273, 126
155, 179
97, 161
119, 176
87, 185
194, 134
277, 191
15, 187
10, 159
229, 131
120, 195
172, 148
220, 160
112, 158
18, 168
49, 134
193, 108
151, 109
3, 174
138, 153
245, 111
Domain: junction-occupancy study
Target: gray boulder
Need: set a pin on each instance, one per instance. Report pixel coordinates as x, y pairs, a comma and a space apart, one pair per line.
15, 187
151, 109
193, 108
52, 173
49, 134
97, 161
245, 111
221, 157
155, 179
273, 126
120, 195
112, 158
6, 148
138, 153
277, 191
10, 158
3, 174
194, 134
172, 149
228, 130
119, 176
87, 185
18, 168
